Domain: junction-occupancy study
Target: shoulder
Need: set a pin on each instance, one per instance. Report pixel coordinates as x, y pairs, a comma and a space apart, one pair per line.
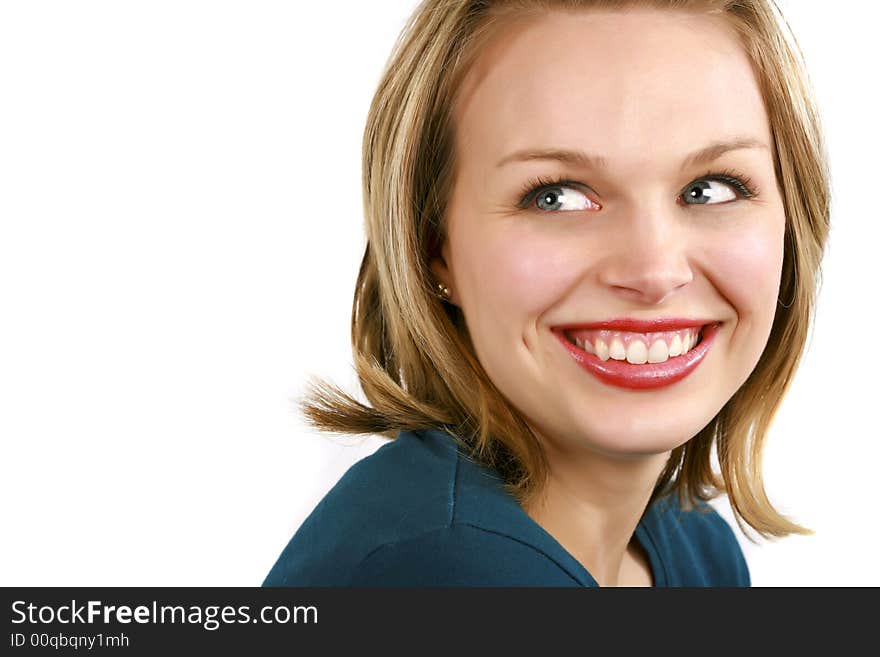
698, 547
459, 555
399, 491
414, 513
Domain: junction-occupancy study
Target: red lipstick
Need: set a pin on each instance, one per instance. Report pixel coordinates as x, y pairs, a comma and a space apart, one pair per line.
649, 375
641, 325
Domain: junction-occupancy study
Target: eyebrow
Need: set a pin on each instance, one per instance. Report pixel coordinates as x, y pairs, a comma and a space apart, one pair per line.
583, 160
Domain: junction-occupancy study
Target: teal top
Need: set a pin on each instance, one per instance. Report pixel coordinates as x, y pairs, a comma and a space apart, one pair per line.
418, 512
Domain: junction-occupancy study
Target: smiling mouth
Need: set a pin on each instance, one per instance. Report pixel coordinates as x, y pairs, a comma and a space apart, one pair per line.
636, 348
630, 367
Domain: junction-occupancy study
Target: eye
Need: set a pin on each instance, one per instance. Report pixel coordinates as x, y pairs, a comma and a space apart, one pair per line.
562, 198
708, 192
555, 196
718, 189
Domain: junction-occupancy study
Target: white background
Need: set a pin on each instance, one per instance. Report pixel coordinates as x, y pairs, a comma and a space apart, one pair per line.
180, 231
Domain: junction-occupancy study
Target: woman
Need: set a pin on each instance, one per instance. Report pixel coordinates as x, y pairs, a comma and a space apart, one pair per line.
594, 235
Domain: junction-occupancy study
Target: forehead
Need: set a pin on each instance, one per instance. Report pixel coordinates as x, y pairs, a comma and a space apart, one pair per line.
625, 84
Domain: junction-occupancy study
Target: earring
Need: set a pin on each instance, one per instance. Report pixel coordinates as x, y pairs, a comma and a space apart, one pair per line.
443, 292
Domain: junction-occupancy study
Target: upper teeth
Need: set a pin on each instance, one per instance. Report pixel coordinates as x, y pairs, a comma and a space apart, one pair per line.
633, 347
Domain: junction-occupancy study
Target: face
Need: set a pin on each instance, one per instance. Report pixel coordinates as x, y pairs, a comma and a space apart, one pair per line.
541, 244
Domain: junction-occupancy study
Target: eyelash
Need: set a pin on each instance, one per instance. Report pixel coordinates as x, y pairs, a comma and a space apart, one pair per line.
741, 183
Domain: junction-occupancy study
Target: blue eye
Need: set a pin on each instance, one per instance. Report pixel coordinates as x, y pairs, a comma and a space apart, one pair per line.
716, 189
555, 195
562, 198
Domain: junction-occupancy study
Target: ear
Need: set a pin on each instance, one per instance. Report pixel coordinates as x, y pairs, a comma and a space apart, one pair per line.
443, 273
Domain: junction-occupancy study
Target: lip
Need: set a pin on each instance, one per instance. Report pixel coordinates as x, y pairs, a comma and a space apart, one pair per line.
649, 375
640, 325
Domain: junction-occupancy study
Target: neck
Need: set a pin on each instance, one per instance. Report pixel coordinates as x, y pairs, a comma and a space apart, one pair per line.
592, 503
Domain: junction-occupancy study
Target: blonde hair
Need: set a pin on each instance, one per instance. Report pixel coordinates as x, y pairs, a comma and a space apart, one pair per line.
412, 353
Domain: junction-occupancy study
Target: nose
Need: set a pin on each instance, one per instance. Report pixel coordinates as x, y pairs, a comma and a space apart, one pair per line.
647, 261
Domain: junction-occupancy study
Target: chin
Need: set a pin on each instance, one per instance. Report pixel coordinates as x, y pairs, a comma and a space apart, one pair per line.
634, 436
632, 445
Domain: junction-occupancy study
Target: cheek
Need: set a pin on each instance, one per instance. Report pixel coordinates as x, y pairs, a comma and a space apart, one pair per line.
515, 271
746, 267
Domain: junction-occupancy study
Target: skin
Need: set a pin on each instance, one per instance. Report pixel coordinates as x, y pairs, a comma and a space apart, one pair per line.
643, 89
